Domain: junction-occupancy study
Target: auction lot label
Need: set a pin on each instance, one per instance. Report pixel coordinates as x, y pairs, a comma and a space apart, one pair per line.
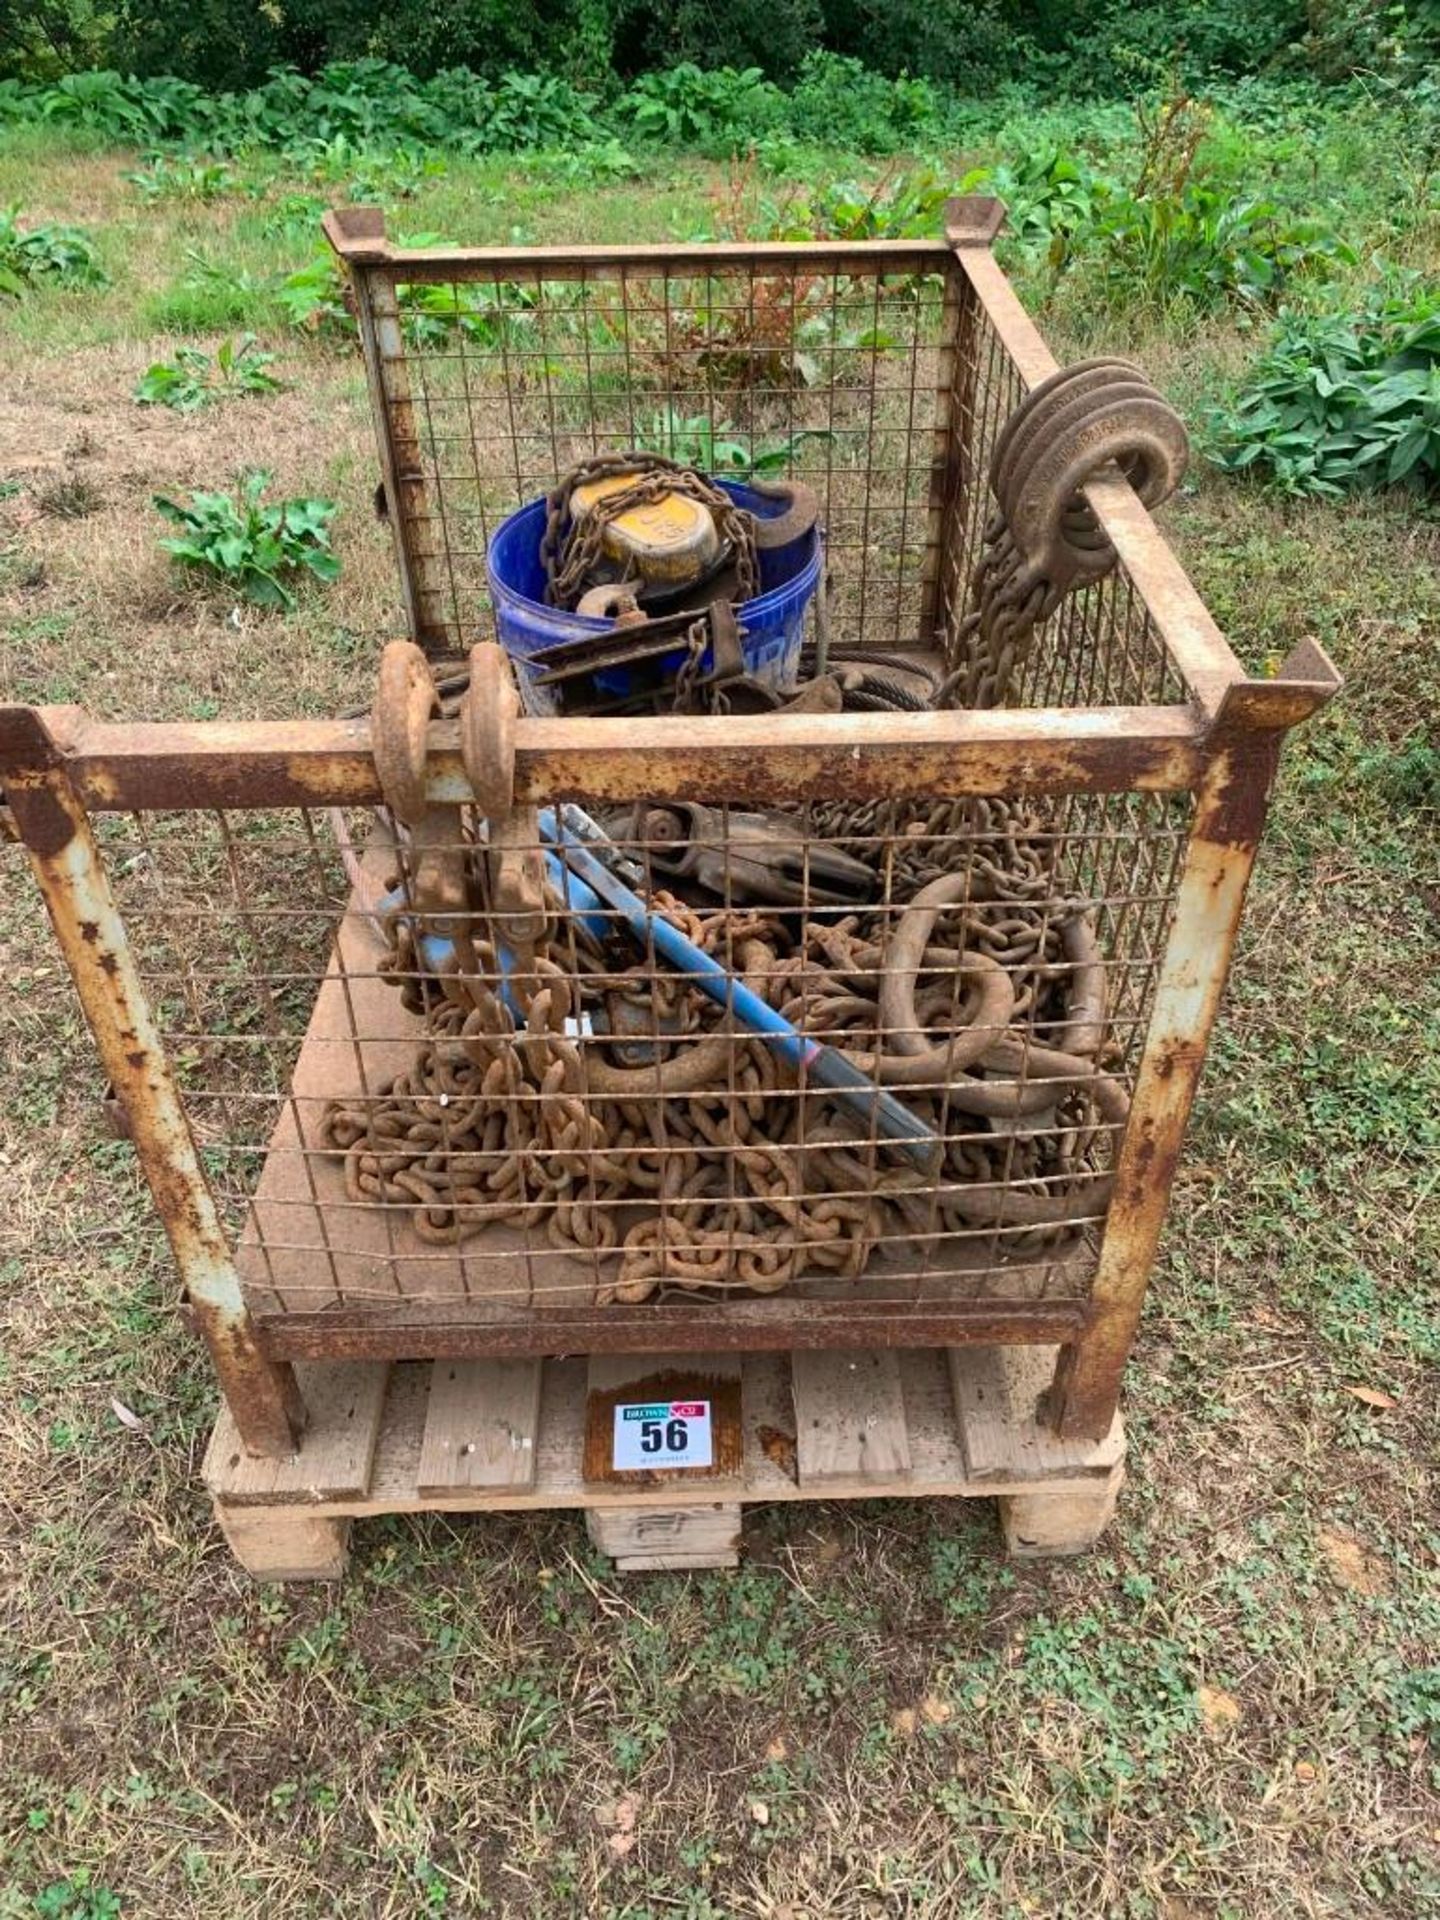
662, 1433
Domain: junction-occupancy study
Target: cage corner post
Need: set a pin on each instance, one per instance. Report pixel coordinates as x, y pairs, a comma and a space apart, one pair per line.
262, 1394
366, 255
1232, 800
970, 221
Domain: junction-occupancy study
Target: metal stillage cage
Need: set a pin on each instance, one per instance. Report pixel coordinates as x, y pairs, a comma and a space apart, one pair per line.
917, 1073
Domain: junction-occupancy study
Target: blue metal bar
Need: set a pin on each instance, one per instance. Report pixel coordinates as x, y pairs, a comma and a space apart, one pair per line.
824, 1065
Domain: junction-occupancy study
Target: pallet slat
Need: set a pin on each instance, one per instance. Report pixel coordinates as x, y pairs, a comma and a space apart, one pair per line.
337, 1449
850, 1418
480, 1426
997, 1400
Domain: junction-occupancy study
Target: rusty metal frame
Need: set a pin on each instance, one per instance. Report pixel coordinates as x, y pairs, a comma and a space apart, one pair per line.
57, 767
1221, 744
54, 824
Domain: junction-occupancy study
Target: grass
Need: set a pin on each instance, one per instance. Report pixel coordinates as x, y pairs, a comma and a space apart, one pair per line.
1230, 1711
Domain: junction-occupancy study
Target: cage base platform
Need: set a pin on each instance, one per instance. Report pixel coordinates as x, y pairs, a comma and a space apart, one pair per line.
465, 1436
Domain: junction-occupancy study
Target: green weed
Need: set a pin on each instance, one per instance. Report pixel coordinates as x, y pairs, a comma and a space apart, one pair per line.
212, 297
195, 379
76, 1898
46, 255
903, 204
1205, 246
1177, 238
1341, 402
312, 297
718, 112
360, 173
698, 441
251, 547
183, 177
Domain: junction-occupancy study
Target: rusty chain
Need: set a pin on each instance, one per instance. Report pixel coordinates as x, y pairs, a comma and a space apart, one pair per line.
696, 1169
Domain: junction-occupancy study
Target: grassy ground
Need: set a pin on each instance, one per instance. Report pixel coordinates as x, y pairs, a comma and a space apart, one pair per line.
1232, 1709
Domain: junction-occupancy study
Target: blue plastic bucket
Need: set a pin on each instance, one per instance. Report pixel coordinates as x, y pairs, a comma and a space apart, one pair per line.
773, 622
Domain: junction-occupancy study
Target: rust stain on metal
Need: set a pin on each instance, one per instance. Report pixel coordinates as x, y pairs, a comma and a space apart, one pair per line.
46, 827
1225, 832
264, 1398
67, 866
473, 1330
787, 757
117, 1120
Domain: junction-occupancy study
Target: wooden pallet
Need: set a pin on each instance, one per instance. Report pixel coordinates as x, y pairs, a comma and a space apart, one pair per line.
476, 1435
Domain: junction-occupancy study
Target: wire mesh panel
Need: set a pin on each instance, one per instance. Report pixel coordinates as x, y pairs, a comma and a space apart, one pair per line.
1102, 647
494, 387
594, 1119
745, 1027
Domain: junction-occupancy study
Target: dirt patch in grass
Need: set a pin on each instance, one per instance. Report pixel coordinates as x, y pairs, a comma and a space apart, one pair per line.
155, 647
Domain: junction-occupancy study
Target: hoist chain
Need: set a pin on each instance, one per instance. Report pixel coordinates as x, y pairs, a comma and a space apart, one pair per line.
1043, 541
570, 548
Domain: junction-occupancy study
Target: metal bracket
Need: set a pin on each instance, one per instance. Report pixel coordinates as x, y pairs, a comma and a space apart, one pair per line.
973, 219
488, 714
1307, 680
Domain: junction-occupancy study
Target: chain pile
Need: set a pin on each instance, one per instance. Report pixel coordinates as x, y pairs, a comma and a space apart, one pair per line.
570, 549
697, 1168
1003, 844
972, 983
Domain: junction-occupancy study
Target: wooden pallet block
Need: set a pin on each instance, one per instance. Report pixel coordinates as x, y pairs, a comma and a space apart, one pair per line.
664, 1539
478, 1436
998, 1393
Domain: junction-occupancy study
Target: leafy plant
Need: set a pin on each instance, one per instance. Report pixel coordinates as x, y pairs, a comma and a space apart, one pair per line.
1175, 236
312, 297
1204, 245
594, 164
840, 101
719, 112
902, 204
195, 379
294, 216
1339, 403
49, 254
365, 174
101, 101
698, 441
1052, 198
183, 177
250, 547
212, 295
535, 110
76, 1898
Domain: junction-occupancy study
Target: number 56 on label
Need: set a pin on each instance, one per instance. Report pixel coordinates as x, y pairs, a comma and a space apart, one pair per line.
663, 1433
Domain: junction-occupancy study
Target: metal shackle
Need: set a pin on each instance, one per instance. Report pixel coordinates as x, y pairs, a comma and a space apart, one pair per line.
405, 701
